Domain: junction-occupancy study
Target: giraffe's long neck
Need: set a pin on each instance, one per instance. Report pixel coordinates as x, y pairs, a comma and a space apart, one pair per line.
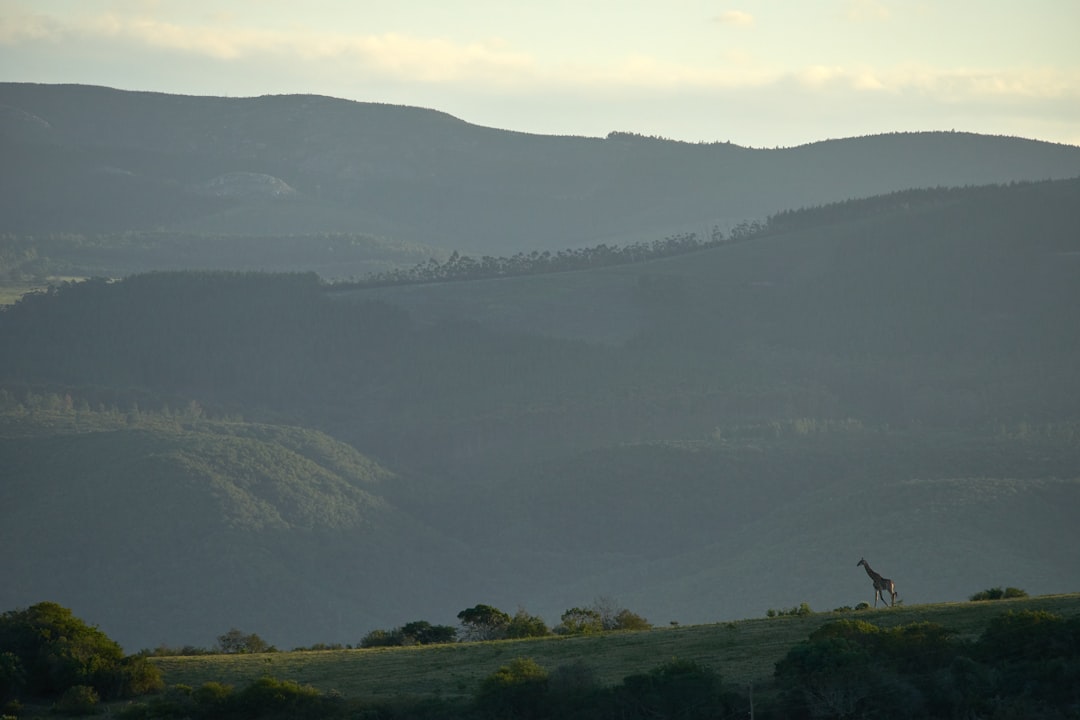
873, 575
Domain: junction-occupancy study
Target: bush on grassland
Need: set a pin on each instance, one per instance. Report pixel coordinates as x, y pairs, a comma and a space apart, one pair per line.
997, 593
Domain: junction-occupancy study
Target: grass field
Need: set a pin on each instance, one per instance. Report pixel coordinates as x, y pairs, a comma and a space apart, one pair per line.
742, 652
10, 293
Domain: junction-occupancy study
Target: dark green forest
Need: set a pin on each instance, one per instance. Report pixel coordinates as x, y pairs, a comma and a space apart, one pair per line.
1019, 663
899, 368
97, 161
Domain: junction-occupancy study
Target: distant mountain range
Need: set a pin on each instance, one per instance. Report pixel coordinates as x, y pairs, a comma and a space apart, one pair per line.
81, 159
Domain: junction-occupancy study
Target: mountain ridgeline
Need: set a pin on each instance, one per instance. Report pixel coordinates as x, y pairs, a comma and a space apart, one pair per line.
195, 179
703, 435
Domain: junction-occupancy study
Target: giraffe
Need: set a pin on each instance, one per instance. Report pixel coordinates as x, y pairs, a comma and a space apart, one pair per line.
881, 584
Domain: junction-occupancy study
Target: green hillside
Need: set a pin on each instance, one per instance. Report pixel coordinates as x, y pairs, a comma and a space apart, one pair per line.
743, 652
164, 527
702, 436
92, 160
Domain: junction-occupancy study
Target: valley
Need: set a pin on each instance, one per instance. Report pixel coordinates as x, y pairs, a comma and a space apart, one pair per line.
231, 425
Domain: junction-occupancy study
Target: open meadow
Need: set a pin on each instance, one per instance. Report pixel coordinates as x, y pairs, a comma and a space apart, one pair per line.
743, 652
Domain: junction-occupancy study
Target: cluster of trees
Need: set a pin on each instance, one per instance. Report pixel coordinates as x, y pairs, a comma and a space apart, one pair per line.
46, 653
26, 258
419, 632
900, 201
627, 136
267, 697
464, 267
233, 642
800, 610
602, 616
237, 642
520, 689
1025, 664
997, 593
485, 622
35, 258
674, 689
479, 623
85, 408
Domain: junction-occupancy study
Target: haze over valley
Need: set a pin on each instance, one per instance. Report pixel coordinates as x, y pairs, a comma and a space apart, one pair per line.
311, 367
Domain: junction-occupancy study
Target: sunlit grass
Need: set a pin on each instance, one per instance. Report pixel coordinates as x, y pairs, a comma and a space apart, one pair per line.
11, 292
742, 652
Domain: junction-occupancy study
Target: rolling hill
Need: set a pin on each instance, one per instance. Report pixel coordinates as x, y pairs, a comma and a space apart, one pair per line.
165, 527
703, 436
742, 652
93, 160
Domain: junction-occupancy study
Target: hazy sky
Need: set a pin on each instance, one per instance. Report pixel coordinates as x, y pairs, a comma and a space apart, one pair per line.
755, 72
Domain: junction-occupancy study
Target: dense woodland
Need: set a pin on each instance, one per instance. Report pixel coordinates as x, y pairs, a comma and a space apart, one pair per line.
90, 160
653, 420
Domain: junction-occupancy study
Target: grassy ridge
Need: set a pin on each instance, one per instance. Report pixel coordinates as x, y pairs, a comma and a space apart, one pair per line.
743, 652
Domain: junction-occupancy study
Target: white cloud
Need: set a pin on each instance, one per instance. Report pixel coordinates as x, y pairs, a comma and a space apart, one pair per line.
867, 10
964, 84
735, 17
20, 26
327, 57
945, 85
405, 57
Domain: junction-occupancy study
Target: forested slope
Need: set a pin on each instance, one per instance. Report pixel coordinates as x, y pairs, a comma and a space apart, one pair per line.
92, 160
165, 526
703, 436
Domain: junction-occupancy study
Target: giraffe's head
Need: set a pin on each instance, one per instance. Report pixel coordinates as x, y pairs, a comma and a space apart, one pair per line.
862, 561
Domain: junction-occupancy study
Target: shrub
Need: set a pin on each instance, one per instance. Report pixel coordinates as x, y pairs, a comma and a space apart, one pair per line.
166, 651
212, 694
524, 625
78, 700
601, 616
382, 638
676, 689
580, 621
626, 620
483, 622
236, 641
12, 676
421, 632
1028, 635
176, 701
47, 650
803, 610
852, 668
573, 678
831, 671
516, 690
998, 594
270, 697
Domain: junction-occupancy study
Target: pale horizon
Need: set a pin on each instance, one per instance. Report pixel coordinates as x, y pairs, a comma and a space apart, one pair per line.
757, 73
